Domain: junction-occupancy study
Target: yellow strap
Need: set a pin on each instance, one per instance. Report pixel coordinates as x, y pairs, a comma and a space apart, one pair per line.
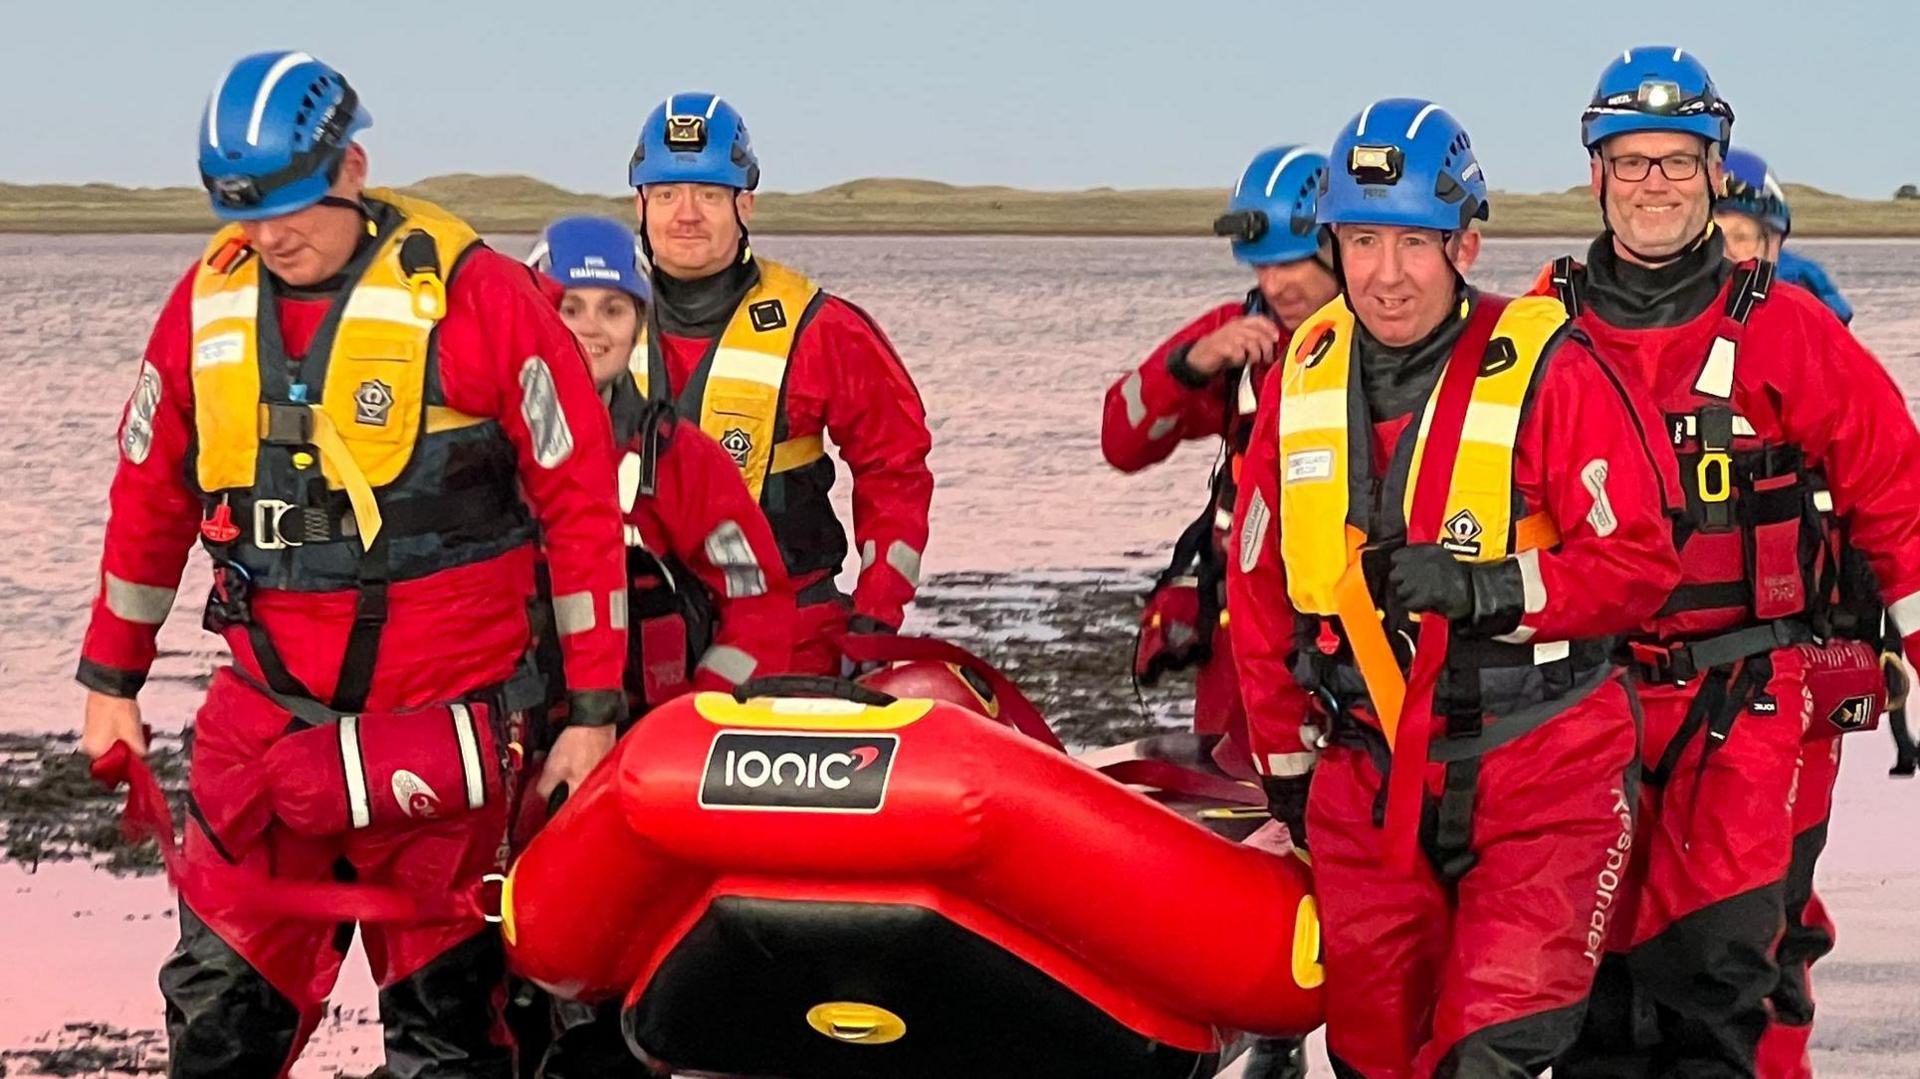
334, 452
798, 453
1367, 638
441, 418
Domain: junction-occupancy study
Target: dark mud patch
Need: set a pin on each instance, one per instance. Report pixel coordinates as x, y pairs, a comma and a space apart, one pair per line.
90, 1049
51, 810
1066, 638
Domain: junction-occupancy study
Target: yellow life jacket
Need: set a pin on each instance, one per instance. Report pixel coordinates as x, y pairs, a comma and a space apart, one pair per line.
1322, 510
372, 409
739, 381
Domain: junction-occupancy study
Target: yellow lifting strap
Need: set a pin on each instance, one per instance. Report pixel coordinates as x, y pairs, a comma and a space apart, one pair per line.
1361, 617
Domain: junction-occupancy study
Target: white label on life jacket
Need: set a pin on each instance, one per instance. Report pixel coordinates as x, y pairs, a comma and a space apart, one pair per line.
1309, 466
222, 349
1601, 517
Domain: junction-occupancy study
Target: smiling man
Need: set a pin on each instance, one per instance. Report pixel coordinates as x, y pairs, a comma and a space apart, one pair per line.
767, 363
1436, 465
1801, 469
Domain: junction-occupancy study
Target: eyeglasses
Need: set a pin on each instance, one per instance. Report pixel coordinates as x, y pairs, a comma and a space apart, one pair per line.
1633, 168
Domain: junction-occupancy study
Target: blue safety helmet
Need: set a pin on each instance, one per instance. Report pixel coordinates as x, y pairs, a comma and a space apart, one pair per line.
1752, 190
1271, 216
592, 252
694, 138
274, 133
1403, 162
1656, 88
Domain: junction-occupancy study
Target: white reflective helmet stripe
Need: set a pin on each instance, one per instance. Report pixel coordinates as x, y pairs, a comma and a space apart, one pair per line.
146, 604
213, 110
1421, 118
712, 104
573, 613
1274, 177
274, 74
359, 811
730, 663
470, 765
1362, 129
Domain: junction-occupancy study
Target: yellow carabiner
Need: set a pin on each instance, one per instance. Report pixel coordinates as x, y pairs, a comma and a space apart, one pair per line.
1714, 477
429, 296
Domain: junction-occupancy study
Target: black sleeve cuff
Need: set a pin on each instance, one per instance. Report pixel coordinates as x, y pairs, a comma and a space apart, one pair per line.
596, 707
1182, 372
1499, 597
110, 680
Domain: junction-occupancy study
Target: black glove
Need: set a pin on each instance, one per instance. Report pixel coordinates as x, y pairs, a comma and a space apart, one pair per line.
1486, 599
1287, 803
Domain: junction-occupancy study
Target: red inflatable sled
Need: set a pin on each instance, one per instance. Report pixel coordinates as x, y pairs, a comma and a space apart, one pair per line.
857, 886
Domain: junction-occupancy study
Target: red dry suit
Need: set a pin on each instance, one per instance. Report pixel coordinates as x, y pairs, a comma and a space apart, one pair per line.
839, 377
1802, 473
1149, 412
454, 582
1476, 959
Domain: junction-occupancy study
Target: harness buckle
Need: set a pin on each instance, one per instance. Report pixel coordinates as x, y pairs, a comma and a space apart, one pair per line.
267, 515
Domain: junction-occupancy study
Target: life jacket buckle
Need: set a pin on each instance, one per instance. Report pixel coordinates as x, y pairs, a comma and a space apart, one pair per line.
267, 515
429, 296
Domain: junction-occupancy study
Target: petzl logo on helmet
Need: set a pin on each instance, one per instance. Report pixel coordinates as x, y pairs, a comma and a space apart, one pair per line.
738, 444
1853, 714
372, 402
792, 772
687, 133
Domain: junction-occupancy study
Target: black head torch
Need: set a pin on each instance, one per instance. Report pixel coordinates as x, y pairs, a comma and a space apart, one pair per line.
1241, 226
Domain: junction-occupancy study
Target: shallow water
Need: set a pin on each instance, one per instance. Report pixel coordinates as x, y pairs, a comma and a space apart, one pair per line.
1012, 342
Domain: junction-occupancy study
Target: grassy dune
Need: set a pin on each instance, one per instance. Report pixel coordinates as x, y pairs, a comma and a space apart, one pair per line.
523, 204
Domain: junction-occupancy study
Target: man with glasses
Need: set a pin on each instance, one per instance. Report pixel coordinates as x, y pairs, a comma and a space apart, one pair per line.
1801, 470
352, 403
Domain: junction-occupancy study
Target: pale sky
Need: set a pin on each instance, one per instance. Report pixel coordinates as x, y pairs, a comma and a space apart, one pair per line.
1029, 93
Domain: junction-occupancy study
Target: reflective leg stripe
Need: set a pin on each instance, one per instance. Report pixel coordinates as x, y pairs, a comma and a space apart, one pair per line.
905, 560
573, 613
1136, 406
727, 548
470, 765
147, 604
617, 608
1905, 613
360, 812
869, 554
1162, 427
729, 662
1290, 764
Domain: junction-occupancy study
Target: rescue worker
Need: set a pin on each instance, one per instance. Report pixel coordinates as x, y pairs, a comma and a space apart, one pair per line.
1436, 466
704, 576
766, 362
345, 399
1799, 464
1753, 213
1203, 383
701, 558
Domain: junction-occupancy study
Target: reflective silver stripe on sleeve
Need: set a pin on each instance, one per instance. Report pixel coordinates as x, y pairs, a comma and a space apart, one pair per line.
1291, 764
540, 407
905, 561
1906, 613
1136, 406
470, 765
1533, 588
617, 608
359, 812
573, 613
147, 604
728, 549
1253, 531
1162, 427
869, 554
729, 663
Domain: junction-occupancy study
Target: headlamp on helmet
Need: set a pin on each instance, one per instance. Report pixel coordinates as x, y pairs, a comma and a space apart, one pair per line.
1241, 226
1381, 165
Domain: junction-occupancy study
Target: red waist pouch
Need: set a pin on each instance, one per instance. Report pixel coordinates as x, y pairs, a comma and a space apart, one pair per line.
387, 769
1847, 685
